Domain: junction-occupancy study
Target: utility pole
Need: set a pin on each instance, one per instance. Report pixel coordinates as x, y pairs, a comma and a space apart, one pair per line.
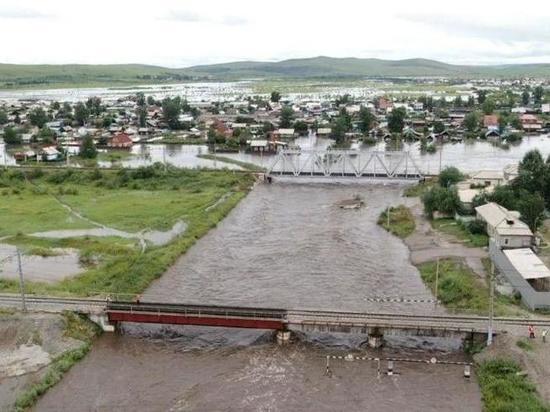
21, 282
436, 280
388, 217
491, 304
440, 155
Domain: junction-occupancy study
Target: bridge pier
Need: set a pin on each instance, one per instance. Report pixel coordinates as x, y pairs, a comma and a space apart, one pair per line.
102, 320
375, 339
283, 337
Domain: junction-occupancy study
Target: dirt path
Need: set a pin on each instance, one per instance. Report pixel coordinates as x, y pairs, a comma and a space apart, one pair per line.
426, 244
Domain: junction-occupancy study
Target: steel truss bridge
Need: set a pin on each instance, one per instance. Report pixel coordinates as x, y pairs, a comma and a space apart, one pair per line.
344, 163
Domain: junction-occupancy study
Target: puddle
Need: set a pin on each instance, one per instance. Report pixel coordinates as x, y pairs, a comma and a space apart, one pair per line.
38, 268
155, 237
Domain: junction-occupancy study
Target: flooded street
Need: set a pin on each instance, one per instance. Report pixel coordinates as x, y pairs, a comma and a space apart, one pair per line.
286, 245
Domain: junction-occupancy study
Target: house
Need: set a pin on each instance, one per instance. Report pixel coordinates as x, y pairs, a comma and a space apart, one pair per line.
488, 178
511, 172
121, 141
490, 121
258, 145
530, 123
504, 226
284, 133
50, 154
324, 131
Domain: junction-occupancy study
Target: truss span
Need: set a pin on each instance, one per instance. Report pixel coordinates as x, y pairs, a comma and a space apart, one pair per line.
344, 163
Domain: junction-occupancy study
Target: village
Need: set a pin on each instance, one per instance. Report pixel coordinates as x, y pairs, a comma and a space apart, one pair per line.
51, 131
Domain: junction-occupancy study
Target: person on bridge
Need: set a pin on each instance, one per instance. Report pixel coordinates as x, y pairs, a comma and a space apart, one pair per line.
531, 330
544, 333
138, 299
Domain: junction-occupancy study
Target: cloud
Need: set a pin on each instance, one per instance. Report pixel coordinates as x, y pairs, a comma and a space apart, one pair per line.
186, 16
495, 30
20, 13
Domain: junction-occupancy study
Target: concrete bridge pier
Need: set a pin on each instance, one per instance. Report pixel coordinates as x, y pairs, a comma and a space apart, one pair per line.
102, 320
376, 338
283, 337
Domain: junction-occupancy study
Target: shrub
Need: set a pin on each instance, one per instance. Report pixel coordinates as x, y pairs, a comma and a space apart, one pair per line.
450, 176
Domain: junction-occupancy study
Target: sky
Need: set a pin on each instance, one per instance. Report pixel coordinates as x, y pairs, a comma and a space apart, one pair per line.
183, 33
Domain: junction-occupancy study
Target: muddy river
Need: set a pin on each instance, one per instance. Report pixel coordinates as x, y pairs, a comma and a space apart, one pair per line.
286, 245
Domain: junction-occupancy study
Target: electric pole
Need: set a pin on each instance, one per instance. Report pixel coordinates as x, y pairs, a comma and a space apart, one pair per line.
21, 282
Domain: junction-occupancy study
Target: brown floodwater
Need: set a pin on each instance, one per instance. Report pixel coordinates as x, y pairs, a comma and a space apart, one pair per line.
286, 245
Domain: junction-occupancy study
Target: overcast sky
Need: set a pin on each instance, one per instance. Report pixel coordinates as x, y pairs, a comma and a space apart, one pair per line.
188, 32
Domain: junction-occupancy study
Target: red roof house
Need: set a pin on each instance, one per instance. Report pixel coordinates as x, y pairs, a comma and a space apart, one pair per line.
121, 141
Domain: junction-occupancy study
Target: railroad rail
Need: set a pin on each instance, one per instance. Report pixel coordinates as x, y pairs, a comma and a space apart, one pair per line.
272, 318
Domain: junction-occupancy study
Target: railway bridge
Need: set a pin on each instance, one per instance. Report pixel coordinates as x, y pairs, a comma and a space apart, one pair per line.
374, 324
344, 163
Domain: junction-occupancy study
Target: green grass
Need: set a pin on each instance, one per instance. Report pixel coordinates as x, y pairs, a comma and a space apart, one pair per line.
161, 197
26, 212
245, 165
420, 188
114, 155
401, 221
76, 327
457, 230
524, 344
460, 289
503, 389
42, 251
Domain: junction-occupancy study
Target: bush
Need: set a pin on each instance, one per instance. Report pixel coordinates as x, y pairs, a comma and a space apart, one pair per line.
476, 227
441, 199
450, 176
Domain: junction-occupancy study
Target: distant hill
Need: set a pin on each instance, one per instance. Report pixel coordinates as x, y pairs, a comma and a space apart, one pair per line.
354, 67
75, 75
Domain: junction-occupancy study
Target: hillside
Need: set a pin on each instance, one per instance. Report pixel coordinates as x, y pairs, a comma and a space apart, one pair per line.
44, 76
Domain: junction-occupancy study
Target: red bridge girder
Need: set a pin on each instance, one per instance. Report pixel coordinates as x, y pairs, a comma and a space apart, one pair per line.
182, 319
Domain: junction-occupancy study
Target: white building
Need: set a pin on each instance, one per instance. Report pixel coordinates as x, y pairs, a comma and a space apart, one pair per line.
504, 226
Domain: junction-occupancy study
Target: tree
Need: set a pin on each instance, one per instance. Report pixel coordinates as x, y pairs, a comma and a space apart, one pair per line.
396, 120
142, 116
11, 136
441, 199
538, 94
531, 209
151, 100
458, 101
46, 135
481, 96
275, 96
38, 117
488, 106
502, 123
287, 116
3, 117
171, 109
93, 104
338, 129
55, 105
439, 127
366, 120
301, 127
81, 113
525, 97
88, 149
471, 122
140, 99
450, 176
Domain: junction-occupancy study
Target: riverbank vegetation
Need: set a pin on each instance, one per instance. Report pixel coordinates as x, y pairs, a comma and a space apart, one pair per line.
471, 234
462, 290
504, 388
401, 221
153, 197
76, 327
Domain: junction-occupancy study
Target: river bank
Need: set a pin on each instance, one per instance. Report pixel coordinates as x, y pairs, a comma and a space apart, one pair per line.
36, 349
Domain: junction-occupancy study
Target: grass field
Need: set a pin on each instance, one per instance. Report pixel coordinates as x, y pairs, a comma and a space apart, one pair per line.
401, 222
150, 197
460, 289
453, 228
504, 389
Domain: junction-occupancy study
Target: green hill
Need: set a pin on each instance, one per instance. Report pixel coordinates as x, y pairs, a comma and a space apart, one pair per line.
75, 75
